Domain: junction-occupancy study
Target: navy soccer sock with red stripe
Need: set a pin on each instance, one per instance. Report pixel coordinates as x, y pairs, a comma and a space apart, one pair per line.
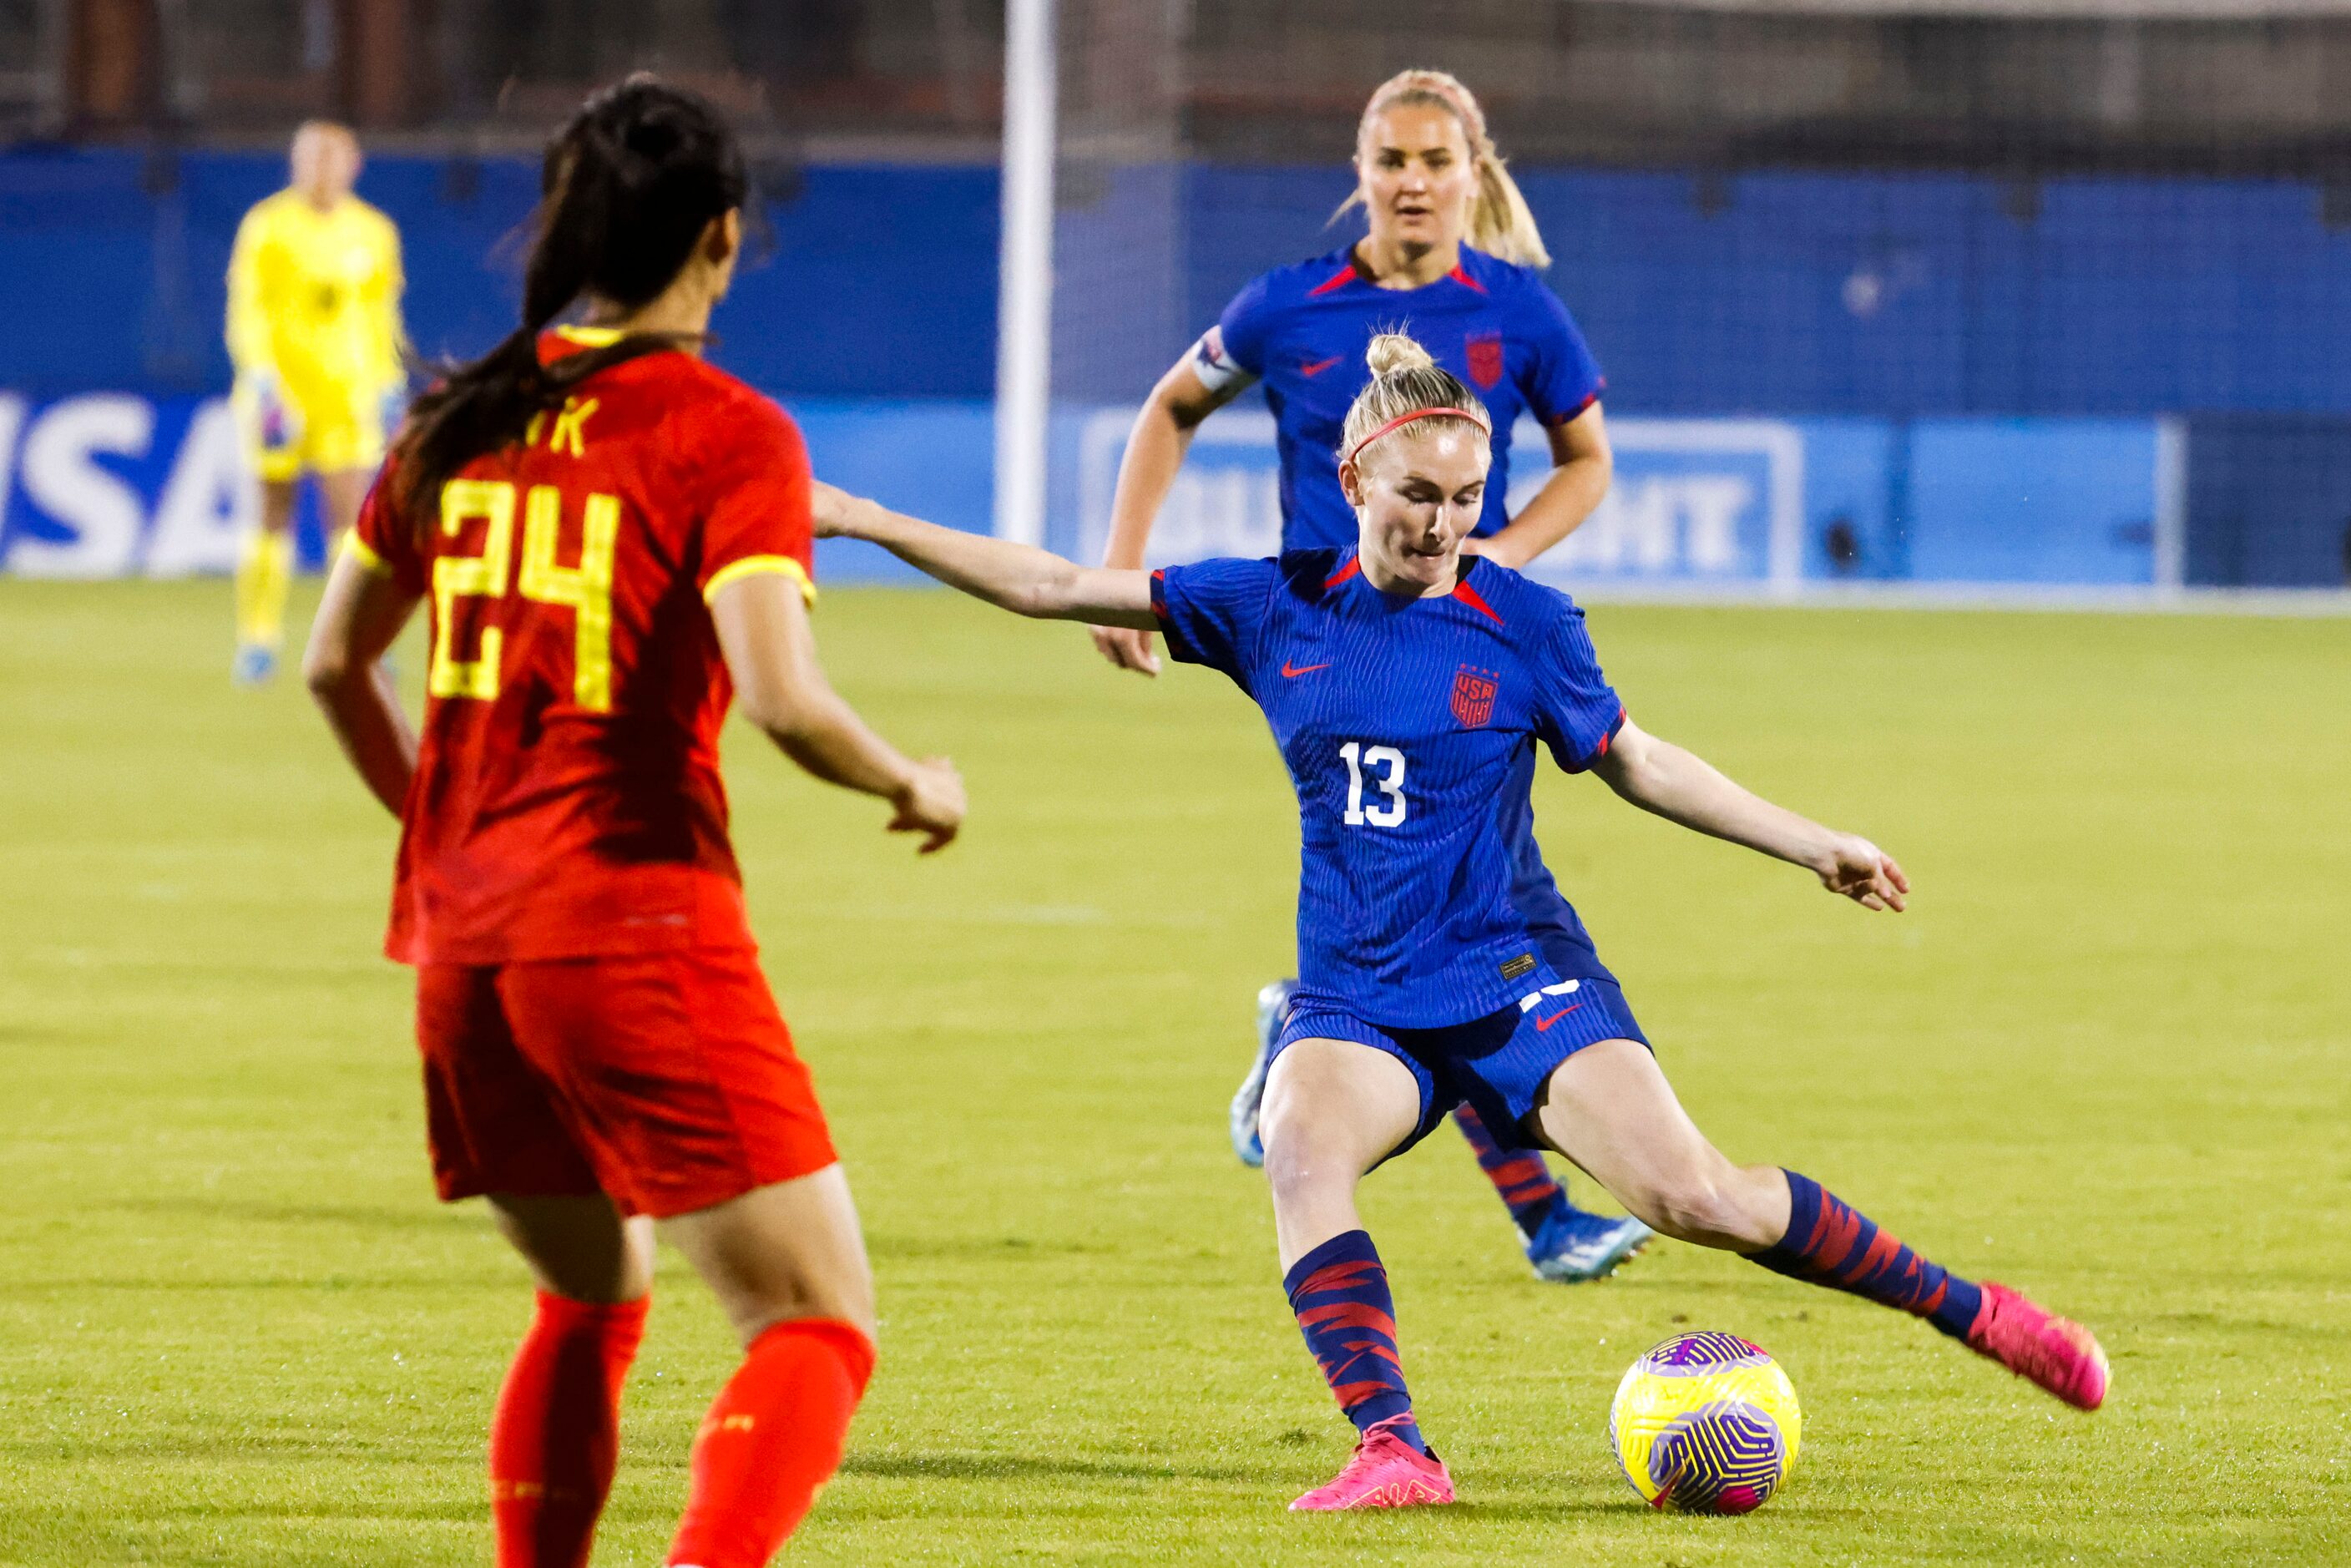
1339, 1292
1830, 1243
1519, 1176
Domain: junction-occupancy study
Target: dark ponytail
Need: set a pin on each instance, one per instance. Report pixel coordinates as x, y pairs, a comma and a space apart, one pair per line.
627, 188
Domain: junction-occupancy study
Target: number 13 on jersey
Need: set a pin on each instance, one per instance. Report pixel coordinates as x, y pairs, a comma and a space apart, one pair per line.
1387, 763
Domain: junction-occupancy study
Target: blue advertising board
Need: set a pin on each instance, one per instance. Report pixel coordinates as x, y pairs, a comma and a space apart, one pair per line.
113, 484
1741, 507
1695, 501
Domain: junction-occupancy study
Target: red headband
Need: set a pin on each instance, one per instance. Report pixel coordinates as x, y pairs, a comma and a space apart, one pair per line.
1400, 420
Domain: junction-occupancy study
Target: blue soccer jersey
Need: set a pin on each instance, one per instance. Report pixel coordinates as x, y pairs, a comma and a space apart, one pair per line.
1409, 726
1303, 329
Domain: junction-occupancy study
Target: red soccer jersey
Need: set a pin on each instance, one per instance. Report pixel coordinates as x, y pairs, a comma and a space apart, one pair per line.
567, 800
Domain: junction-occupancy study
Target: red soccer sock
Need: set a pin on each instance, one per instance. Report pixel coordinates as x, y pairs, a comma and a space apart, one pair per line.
771, 1441
557, 1433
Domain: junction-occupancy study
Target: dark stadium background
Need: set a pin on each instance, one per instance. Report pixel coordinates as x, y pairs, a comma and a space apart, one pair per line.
1816, 210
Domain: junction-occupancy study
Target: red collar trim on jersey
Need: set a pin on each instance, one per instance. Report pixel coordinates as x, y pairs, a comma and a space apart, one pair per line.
1339, 280
1470, 597
1461, 589
1400, 420
1353, 272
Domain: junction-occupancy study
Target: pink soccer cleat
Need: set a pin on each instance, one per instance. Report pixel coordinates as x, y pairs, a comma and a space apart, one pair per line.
2058, 1353
1385, 1472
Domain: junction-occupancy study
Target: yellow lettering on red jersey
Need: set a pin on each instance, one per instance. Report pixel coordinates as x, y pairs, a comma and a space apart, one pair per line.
456, 577
585, 589
570, 426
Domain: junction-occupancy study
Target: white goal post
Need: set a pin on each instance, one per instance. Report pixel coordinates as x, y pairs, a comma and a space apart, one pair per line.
1024, 345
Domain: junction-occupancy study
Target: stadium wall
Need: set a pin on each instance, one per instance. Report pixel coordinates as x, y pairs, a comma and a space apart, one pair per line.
1895, 378
111, 484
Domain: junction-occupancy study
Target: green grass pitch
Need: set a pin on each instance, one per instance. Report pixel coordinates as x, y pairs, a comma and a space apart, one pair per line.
2103, 1058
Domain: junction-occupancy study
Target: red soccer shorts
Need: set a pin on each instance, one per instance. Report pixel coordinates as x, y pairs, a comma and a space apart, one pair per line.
665, 1080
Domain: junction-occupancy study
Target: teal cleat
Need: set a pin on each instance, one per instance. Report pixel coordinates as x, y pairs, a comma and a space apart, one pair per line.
1576, 1247
1273, 1012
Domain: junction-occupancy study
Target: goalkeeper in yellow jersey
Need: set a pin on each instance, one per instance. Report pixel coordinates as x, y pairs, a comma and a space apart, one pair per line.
314, 330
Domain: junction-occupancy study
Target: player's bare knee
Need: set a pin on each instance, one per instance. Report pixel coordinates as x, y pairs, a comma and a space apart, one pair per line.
748, 1332
1304, 1180
1693, 1207
846, 1300
579, 1248
758, 1291
1307, 1153
1652, 1205
1286, 1134
1289, 1091
1292, 1161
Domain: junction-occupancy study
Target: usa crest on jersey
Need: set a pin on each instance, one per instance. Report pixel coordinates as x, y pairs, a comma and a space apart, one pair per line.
1473, 695
1485, 353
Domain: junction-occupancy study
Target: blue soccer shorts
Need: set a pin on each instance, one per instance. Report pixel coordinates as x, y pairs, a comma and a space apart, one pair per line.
1500, 1063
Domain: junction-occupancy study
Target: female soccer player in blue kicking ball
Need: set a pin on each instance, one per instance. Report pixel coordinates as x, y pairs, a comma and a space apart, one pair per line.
1409, 687
1453, 251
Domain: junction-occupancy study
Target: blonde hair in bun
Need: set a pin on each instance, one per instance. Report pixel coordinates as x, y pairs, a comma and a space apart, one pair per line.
1501, 223
1392, 351
1407, 384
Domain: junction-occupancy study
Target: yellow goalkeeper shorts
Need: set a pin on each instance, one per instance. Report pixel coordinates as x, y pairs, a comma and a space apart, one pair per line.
288, 432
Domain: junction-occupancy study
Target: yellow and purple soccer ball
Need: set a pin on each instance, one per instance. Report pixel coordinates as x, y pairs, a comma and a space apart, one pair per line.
1706, 1423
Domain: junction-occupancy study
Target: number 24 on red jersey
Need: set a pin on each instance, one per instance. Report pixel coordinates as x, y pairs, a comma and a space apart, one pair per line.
586, 590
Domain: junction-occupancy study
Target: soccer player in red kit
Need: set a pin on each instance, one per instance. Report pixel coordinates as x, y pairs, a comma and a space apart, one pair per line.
616, 542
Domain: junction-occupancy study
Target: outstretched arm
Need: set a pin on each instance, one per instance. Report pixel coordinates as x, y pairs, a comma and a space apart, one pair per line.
770, 652
1660, 777
1018, 577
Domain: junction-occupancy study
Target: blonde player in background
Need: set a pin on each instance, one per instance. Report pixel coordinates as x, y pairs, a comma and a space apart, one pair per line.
314, 331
